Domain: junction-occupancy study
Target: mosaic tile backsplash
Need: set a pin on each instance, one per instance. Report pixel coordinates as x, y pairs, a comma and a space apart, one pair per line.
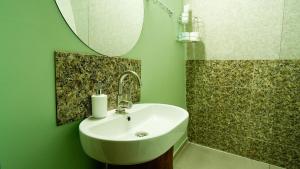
78, 77
249, 108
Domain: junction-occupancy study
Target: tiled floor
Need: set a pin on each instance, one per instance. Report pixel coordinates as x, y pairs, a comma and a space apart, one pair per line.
193, 156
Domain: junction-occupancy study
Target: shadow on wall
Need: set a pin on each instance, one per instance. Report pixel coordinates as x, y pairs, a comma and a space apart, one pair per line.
196, 51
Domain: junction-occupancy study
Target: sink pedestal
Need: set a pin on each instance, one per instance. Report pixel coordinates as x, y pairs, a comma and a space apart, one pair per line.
164, 161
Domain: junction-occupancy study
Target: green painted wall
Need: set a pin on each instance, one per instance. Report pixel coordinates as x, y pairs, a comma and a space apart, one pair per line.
30, 31
162, 56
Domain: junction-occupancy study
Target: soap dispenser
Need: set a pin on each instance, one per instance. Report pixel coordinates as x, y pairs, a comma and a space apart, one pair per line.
99, 104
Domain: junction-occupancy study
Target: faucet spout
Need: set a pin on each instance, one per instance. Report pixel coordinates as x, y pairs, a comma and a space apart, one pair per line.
121, 108
124, 75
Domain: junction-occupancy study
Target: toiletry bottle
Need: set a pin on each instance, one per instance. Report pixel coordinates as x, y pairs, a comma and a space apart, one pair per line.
99, 105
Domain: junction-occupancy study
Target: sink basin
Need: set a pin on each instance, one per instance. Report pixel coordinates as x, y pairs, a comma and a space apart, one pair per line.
145, 133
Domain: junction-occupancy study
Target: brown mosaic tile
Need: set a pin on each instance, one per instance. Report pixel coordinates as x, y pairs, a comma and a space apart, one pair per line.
284, 73
286, 136
210, 138
258, 150
228, 73
289, 74
218, 99
265, 73
250, 108
284, 156
263, 101
260, 128
199, 134
242, 99
287, 99
289, 119
223, 141
243, 73
237, 124
262, 107
77, 77
234, 144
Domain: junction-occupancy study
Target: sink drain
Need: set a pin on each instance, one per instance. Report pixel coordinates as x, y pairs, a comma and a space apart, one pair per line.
141, 134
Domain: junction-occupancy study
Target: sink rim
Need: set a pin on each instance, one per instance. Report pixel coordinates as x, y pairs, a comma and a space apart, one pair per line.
122, 149
83, 126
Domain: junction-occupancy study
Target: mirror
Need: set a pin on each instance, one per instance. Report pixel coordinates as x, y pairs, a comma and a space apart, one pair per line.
110, 27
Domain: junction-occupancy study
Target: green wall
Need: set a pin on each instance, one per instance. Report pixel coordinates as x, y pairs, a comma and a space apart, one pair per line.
162, 56
30, 31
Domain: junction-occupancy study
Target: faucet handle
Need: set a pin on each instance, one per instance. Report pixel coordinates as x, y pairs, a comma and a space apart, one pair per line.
125, 104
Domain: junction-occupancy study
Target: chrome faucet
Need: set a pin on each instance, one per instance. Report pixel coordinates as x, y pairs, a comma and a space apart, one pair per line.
123, 103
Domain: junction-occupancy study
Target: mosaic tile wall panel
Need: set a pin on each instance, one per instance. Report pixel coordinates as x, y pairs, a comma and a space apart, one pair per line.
78, 76
249, 108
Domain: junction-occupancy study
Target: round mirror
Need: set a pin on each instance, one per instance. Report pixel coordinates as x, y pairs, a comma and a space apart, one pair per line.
110, 27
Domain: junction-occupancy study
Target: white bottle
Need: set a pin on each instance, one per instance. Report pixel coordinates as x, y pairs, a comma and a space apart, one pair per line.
99, 105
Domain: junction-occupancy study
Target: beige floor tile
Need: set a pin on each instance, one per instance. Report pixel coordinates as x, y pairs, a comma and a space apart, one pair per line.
176, 167
275, 167
194, 156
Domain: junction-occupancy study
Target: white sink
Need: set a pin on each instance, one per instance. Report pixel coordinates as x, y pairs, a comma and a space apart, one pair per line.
115, 140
